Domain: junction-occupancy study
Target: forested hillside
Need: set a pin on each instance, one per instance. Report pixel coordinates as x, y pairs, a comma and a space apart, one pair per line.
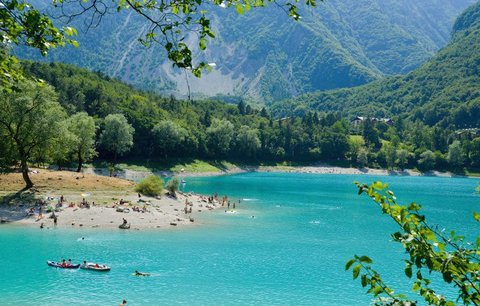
341, 43
81, 114
166, 128
445, 91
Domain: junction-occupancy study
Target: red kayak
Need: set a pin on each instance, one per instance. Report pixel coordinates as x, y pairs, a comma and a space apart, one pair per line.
61, 266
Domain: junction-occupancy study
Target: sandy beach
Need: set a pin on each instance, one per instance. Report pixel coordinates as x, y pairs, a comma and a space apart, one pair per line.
110, 201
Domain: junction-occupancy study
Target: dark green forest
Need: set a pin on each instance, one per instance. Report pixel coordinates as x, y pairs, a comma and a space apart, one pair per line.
165, 127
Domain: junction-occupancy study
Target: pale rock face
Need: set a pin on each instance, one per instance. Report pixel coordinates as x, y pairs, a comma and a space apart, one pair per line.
266, 57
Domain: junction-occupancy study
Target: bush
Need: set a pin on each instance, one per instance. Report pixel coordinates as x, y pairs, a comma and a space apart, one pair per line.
173, 186
150, 186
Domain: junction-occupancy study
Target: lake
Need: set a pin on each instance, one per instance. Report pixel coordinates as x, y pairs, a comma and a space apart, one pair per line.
293, 251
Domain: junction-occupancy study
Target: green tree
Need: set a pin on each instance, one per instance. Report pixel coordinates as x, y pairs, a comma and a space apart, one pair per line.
427, 160
117, 135
430, 251
362, 157
220, 136
355, 143
58, 152
402, 158
23, 24
247, 141
370, 134
30, 118
390, 155
474, 154
168, 136
173, 186
82, 126
455, 154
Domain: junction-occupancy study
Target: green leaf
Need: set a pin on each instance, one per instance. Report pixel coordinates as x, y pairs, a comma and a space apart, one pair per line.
70, 31
408, 271
349, 264
416, 286
202, 43
239, 8
447, 276
356, 271
365, 259
364, 280
476, 216
377, 290
377, 185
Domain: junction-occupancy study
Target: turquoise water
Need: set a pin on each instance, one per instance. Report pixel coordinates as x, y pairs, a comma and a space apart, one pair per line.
292, 253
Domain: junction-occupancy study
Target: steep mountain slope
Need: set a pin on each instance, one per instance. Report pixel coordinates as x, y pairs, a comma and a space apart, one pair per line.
267, 57
444, 91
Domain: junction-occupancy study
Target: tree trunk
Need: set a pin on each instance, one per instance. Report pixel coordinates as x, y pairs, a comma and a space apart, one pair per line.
26, 178
80, 162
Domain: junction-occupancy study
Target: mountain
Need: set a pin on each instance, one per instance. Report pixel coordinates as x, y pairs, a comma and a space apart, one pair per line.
444, 91
266, 57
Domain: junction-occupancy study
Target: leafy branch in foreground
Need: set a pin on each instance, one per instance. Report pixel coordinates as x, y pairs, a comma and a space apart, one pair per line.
429, 250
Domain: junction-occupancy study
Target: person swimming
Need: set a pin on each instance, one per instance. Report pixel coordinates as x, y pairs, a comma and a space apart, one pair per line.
141, 273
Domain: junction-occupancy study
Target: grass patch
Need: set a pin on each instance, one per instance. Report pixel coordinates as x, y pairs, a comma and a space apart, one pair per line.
199, 166
174, 165
357, 139
472, 172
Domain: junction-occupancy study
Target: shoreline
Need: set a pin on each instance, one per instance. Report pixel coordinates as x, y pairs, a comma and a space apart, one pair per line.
142, 213
135, 175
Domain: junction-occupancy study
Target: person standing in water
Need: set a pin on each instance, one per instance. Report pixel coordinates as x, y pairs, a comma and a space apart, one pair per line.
124, 302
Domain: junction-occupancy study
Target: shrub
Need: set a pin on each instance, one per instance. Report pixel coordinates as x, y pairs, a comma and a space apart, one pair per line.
173, 186
150, 186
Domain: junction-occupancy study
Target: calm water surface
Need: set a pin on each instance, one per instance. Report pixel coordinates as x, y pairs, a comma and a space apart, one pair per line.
292, 253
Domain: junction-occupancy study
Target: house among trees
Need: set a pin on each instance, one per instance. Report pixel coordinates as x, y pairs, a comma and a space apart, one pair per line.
358, 120
475, 132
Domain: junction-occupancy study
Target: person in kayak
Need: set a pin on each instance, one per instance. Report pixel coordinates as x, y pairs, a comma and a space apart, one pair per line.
64, 263
141, 273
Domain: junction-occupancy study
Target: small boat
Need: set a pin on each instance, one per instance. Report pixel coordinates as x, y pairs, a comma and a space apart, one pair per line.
59, 265
95, 267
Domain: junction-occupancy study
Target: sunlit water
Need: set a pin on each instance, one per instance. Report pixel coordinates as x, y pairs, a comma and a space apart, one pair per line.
292, 253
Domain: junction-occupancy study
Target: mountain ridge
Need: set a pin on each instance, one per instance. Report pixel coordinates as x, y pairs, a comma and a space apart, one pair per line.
265, 57
444, 91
